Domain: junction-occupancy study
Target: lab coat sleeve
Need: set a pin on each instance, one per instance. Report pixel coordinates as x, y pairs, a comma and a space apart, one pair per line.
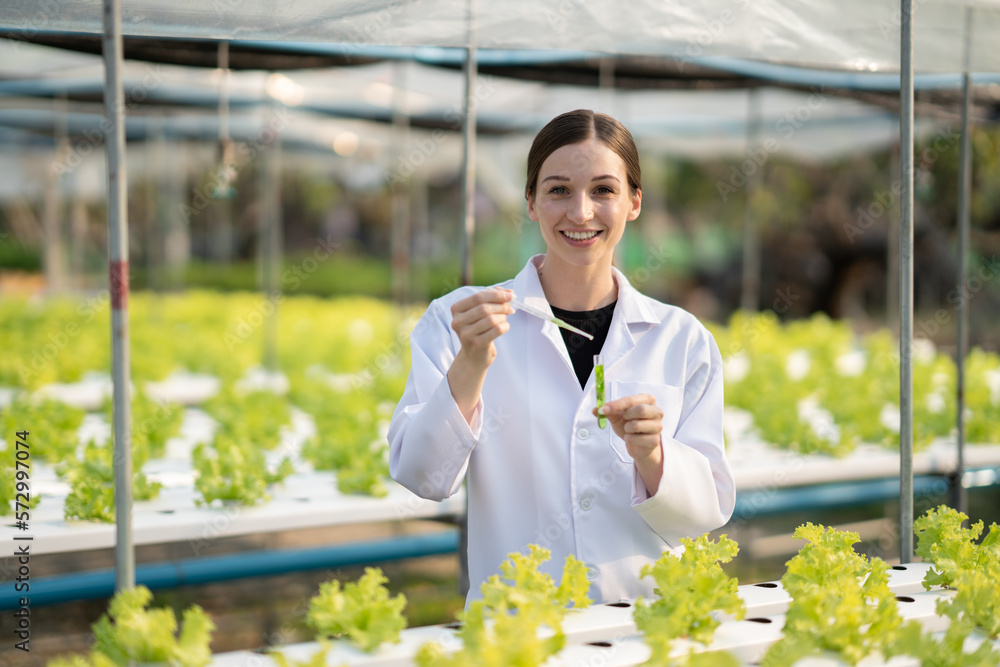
697, 492
429, 439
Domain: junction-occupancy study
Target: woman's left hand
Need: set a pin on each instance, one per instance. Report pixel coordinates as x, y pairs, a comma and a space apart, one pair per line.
638, 421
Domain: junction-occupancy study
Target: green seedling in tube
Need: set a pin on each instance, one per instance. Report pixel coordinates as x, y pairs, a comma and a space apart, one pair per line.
602, 421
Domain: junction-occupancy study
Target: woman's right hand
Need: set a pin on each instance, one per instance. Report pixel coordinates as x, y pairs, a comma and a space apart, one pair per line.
478, 320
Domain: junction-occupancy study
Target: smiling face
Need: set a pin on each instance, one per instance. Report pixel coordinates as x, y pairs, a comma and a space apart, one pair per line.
582, 201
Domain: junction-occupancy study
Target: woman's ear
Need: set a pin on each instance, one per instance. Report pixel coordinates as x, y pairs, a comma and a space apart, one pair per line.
636, 205
532, 213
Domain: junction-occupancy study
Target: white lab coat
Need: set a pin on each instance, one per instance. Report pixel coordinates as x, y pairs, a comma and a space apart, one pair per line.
537, 467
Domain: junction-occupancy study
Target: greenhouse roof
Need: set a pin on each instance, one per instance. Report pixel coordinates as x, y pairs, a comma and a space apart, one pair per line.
852, 35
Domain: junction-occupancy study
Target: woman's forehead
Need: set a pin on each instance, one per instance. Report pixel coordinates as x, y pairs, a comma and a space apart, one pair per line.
586, 158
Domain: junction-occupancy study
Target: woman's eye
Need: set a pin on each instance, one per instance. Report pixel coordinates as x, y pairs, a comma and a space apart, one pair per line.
558, 190
604, 190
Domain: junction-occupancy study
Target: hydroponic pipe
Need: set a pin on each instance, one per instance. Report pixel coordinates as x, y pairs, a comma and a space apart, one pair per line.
171, 574
765, 502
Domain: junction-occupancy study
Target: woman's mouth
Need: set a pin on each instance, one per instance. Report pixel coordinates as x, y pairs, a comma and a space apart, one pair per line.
581, 238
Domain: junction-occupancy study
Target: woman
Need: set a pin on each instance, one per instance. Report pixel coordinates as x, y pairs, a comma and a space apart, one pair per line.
506, 401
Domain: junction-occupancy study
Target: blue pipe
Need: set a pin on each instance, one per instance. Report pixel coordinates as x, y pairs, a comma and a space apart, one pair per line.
101, 583
828, 496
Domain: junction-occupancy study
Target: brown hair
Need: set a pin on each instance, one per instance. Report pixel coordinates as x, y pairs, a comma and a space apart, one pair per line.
575, 126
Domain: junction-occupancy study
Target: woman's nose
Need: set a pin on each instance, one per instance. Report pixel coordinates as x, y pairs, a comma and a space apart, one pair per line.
581, 209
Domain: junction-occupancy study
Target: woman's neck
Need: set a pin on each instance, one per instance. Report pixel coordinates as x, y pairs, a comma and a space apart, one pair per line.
577, 288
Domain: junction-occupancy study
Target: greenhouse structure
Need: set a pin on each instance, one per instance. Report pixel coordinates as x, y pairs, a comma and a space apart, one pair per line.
196, 386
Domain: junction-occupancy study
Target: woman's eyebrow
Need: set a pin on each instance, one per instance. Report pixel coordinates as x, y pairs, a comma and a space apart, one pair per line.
556, 177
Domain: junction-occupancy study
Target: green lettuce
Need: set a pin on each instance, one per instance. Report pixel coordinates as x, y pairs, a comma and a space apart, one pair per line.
841, 601
361, 611
690, 588
505, 627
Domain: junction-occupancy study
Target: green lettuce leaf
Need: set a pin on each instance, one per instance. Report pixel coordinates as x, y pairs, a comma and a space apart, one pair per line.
361, 611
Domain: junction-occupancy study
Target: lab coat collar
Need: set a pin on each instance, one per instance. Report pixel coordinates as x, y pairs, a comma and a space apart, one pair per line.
635, 308
527, 286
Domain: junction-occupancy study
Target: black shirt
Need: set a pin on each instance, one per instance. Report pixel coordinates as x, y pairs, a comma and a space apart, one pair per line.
582, 351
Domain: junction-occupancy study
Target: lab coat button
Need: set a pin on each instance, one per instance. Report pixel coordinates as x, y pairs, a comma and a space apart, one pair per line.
586, 504
592, 573
583, 434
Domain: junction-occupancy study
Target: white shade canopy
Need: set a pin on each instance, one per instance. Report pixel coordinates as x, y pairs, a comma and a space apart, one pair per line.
852, 35
809, 125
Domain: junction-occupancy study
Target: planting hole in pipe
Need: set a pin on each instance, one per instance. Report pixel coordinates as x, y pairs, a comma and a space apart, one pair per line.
454, 626
760, 619
767, 585
165, 511
619, 604
904, 598
600, 644
899, 567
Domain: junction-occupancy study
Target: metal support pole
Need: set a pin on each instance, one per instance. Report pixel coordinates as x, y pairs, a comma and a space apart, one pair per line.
606, 83
906, 284
223, 234
892, 253
150, 238
400, 237
959, 495
118, 275
276, 247
177, 244
226, 173
750, 297
79, 221
270, 241
606, 87
420, 242
223, 57
469, 151
469, 228
157, 250
53, 205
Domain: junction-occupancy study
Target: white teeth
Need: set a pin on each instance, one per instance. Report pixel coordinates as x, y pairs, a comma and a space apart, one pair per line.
580, 236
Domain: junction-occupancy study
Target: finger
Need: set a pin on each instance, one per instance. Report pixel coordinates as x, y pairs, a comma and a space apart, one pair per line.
643, 411
483, 338
619, 406
481, 310
490, 295
643, 426
492, 333
484, 326
479, 316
